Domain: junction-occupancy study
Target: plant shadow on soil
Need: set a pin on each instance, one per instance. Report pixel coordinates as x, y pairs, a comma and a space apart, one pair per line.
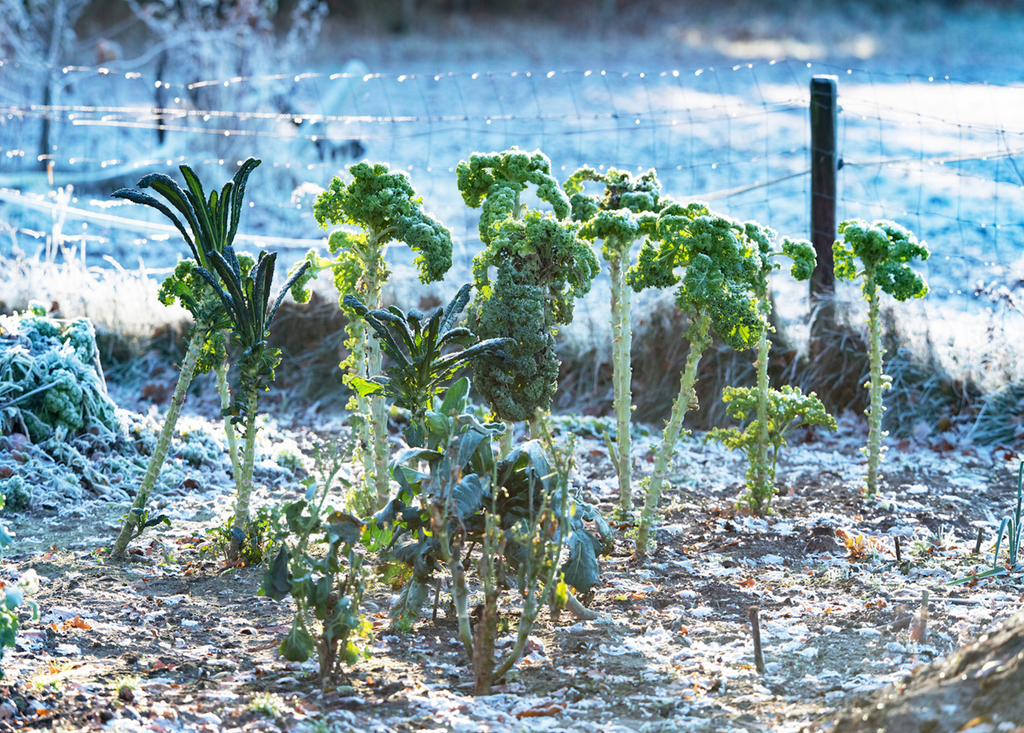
174, 640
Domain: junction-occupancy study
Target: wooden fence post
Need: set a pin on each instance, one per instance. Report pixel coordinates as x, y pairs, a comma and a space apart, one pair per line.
824, 166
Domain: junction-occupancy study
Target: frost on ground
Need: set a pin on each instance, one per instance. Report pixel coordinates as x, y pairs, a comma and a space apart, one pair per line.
671, 650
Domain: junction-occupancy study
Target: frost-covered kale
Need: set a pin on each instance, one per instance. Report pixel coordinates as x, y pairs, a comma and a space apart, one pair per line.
720, 270
626, 210
385, 207
885, 250
541, 267
47, 388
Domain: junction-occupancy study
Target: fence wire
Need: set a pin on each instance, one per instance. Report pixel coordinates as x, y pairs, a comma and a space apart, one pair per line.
935, 154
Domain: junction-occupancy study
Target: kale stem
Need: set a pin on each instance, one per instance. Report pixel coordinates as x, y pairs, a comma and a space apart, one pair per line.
686, 399
763, 486
248, 461
225, 403
621, 380
877, 384
188, 368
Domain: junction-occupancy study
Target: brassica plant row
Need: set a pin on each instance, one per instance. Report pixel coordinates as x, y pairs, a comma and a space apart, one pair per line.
458, 492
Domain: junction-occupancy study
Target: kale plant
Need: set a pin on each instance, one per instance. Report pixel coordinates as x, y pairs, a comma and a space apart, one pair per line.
246, 300
420, 369
885, 250
327, 587
51, 383
623, 214
717, 289
385, 208
774, 413
541, 266
208, 225
784, 410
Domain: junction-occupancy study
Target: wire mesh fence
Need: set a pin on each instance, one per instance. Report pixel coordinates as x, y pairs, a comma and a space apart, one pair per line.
933, 153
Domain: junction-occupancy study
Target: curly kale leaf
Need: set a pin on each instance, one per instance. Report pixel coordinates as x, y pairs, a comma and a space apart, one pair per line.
627, 209
622, 191
803, 256
885, 249
721, 266
525, 380
387, 208
495, 181
544, 252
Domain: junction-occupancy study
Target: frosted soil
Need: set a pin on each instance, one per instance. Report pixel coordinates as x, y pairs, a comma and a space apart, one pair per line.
671, 649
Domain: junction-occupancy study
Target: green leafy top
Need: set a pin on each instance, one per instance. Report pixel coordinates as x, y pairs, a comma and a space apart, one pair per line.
246, 299
885, 249
627, 209
542, 251
387, 208
212, 222
721, 269
496, 180
415, 343
804, 258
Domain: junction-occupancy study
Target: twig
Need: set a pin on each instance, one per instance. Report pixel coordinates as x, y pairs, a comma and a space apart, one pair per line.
977, 544
899, 559
755, 632
437, 600
923, 618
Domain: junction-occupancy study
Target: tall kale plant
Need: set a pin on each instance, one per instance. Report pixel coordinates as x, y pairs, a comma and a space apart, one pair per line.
246, 299
384, 208
716, 288
541, 265
627, 210
208, 225
884, 250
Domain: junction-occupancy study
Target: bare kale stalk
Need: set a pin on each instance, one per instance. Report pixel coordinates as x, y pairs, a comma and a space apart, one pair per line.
885, 250
208, 225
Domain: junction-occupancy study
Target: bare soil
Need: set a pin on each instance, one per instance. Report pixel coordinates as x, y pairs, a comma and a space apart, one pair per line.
175, 640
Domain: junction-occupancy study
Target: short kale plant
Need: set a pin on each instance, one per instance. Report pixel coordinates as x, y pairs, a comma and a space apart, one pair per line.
327, 587
769, 414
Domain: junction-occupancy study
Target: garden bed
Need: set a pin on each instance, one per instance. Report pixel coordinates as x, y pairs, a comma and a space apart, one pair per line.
174, 640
